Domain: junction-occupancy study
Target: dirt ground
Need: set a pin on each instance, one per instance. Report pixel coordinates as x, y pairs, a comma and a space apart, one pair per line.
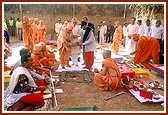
87, 94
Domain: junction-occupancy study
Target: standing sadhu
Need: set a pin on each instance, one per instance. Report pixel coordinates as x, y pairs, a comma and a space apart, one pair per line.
63, 44
31, 45
117, 38
27, 33
110, 76
147, 48
42, 31
35, 34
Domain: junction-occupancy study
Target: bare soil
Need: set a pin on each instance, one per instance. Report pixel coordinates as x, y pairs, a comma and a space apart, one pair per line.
87, 94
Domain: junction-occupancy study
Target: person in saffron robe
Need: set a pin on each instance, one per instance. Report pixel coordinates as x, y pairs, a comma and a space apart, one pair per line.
42, 31
37, 56
63, 44
147, 48
31, 29
50, 59
110, 76
117, 38
35, 34
27, 35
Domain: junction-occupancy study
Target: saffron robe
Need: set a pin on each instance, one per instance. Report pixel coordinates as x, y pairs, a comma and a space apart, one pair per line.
147, 48
37, 66
64, 47
117, 38
104, 82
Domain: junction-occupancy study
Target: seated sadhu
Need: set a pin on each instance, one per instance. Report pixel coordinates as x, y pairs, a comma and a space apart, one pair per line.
37, 55
147, 48
49, 57
22, 92
110, 76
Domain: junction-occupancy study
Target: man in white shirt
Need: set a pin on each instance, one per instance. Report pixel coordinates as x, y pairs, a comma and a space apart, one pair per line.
157, 31
147, 28
75, 49
132, 28
140, 28
58, 27
124, 33
103, 31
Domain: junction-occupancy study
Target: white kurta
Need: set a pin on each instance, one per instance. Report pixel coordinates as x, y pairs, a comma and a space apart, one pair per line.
141, 30
157, 32
147, 30
58, 27
131, 29
103, 31
75, 49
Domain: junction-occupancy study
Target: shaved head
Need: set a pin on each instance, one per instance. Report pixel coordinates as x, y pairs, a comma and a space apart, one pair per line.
106, 54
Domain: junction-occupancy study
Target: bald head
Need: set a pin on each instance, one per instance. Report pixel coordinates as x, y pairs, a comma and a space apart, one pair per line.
106, 54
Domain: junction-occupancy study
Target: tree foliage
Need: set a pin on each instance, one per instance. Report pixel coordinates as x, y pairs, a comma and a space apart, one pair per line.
146, 11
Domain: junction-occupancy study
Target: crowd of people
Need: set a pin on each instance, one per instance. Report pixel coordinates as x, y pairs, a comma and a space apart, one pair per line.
32, 72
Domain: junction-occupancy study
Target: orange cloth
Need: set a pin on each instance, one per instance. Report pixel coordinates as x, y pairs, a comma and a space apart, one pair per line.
105, 82
135, 35
37, 66
35, 34
31, 45
117, 38
44, 61
147, 48
27, 34
63, 45
89, 59
50, 56
42, 32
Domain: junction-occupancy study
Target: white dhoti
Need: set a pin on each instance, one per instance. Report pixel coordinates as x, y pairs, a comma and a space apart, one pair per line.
130, 45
